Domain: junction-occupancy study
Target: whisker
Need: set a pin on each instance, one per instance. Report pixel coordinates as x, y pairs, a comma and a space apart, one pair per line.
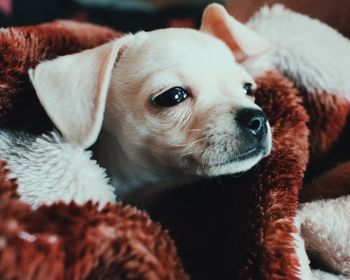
188, 150
196, 129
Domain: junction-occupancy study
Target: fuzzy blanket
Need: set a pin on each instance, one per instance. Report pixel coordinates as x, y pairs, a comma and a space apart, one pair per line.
227, 228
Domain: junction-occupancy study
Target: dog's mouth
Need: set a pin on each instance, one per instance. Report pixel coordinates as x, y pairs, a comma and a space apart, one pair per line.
254, 152
235, 163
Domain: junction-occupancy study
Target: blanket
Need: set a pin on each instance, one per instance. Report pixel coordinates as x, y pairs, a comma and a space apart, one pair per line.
224, 228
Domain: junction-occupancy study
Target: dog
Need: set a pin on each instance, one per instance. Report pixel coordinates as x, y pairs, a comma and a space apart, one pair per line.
163, 105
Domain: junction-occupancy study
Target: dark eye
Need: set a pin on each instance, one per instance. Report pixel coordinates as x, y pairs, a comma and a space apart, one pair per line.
248, 87
171, 97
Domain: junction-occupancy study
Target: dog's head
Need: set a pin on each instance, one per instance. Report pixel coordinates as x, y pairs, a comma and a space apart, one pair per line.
171, 98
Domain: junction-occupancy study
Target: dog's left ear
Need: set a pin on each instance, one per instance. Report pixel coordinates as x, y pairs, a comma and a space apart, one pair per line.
73, 89
240, 39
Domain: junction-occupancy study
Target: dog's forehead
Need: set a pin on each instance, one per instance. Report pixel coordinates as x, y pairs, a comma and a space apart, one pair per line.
173, 45
179, 57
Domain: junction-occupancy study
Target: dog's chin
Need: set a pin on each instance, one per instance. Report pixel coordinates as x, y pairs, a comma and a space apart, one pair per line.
234, 166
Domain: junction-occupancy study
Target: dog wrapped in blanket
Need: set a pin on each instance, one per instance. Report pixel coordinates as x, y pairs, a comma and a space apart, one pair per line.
270, 248
151, 119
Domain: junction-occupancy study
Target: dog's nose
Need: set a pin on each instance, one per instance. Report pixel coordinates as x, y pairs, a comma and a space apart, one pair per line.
252, 120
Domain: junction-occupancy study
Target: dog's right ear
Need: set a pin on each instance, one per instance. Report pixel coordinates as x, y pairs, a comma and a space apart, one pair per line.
243, 41
73, 89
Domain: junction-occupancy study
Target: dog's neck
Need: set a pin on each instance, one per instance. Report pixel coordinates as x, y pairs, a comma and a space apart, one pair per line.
128, 176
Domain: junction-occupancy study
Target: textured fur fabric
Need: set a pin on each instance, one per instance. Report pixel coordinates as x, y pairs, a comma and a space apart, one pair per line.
315, 57
49, 169
73, 242
319, 70
325, 228
334, 13
228, 228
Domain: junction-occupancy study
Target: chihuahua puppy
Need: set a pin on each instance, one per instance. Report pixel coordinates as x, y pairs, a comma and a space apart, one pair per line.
162, 105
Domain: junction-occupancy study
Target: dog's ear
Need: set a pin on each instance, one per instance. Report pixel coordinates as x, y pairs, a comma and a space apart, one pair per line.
240, 39
73, 90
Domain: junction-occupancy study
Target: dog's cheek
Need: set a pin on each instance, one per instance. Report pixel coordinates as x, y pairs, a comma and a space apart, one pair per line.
171, 123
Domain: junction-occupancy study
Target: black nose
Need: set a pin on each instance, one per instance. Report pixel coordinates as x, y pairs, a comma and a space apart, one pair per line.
252, 120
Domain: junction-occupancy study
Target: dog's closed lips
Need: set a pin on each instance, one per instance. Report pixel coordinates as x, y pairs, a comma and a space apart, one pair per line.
251, 153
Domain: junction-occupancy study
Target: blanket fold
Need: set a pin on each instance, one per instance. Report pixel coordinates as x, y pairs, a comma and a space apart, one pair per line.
72, 242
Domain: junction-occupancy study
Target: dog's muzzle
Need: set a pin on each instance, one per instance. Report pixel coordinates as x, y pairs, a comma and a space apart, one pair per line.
236, 149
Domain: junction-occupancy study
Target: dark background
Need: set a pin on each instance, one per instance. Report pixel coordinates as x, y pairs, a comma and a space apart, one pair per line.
116, 14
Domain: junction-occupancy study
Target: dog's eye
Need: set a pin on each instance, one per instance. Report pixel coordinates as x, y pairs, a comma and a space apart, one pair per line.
248, 87
171, 97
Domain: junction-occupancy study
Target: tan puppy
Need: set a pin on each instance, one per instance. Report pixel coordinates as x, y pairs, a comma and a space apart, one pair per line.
171, 103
